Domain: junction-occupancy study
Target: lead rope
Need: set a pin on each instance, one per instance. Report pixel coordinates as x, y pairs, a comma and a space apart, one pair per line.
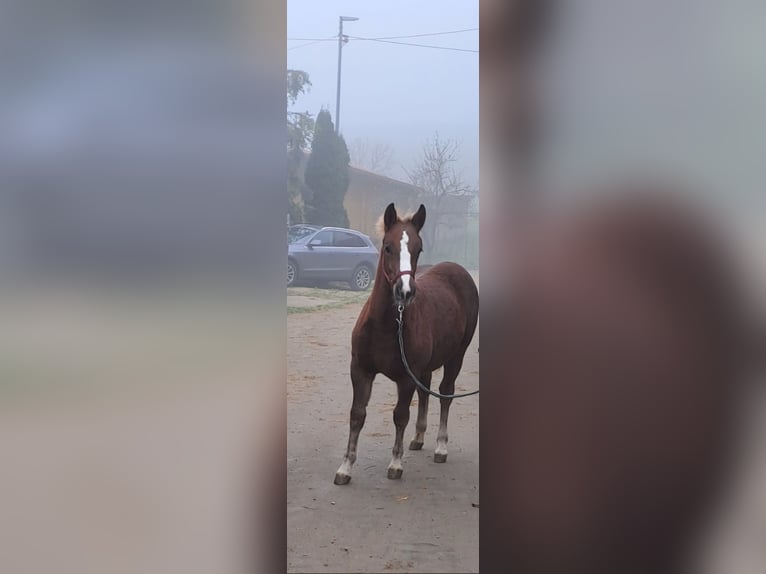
420, 385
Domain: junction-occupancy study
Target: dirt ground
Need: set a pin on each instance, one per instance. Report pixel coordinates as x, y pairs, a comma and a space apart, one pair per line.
428, 521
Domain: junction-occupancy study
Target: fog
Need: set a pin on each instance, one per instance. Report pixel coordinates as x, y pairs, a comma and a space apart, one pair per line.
392, 93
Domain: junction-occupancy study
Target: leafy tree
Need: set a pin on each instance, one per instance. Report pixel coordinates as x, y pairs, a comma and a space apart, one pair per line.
300, 126
326, 175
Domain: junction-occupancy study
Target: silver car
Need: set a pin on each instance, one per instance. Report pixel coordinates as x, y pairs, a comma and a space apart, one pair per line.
332, 254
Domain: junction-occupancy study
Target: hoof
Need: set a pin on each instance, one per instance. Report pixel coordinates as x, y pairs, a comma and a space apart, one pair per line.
342, 478
440, 457
394, 473
416, 445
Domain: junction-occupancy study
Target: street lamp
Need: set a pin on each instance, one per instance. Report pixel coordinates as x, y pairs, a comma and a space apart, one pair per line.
341, 40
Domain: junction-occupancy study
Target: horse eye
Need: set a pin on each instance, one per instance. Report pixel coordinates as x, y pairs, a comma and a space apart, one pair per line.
387, 248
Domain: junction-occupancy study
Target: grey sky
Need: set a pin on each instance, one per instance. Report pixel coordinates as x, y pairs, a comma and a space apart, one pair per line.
391, 93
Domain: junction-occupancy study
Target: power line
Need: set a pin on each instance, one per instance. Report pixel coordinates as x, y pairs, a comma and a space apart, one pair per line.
380, 40
312, 40
304, 45
423, 35
418, 45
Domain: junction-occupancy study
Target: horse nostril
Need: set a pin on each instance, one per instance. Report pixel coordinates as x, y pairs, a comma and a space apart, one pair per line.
400, 294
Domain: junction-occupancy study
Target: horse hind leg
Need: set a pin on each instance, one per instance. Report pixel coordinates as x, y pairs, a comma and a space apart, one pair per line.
447, 387
362, 384
401, 418
422, 422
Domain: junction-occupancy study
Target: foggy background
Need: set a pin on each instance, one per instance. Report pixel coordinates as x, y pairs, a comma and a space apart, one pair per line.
393, 94
409, 88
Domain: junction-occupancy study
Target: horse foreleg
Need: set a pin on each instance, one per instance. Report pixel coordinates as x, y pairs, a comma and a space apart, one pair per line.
401, 418
447, 387
421, 424
362, 384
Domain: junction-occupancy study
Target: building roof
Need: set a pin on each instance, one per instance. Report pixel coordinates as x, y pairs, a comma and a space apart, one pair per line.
384, 178
364, 173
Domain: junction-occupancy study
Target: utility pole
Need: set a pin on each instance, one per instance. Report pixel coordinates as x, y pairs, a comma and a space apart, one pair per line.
341, 41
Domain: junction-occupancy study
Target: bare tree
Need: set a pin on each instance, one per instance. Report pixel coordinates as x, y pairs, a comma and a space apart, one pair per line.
374, 156
436, 176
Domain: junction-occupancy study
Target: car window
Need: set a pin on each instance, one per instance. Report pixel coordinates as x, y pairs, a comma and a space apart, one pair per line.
323, 237
343, 239
297, 233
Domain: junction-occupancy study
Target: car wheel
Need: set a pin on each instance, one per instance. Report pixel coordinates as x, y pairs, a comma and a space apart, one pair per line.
292, 273
362, 278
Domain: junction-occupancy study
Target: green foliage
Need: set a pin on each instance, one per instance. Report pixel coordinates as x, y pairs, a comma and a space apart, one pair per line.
326, 175
300, 126
297, 83
296, 189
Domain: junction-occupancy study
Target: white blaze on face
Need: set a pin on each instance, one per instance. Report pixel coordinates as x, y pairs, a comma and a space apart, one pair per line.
405, 262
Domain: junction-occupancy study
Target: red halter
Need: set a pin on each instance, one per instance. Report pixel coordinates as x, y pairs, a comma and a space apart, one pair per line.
391, 282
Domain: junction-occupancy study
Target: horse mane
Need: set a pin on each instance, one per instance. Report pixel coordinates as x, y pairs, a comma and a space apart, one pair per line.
380, 228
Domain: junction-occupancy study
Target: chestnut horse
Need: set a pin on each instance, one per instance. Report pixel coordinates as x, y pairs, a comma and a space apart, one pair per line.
441, 310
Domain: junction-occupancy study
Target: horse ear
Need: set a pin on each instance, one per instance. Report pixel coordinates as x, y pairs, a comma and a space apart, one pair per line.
419, 219
390, 217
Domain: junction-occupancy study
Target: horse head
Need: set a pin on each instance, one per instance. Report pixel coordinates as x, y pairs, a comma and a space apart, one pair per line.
401, 247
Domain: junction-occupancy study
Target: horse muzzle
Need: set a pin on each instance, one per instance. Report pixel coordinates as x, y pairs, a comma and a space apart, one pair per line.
404, 294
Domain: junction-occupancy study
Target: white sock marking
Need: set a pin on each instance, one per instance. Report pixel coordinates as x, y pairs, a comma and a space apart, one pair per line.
441, 446
345, 468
